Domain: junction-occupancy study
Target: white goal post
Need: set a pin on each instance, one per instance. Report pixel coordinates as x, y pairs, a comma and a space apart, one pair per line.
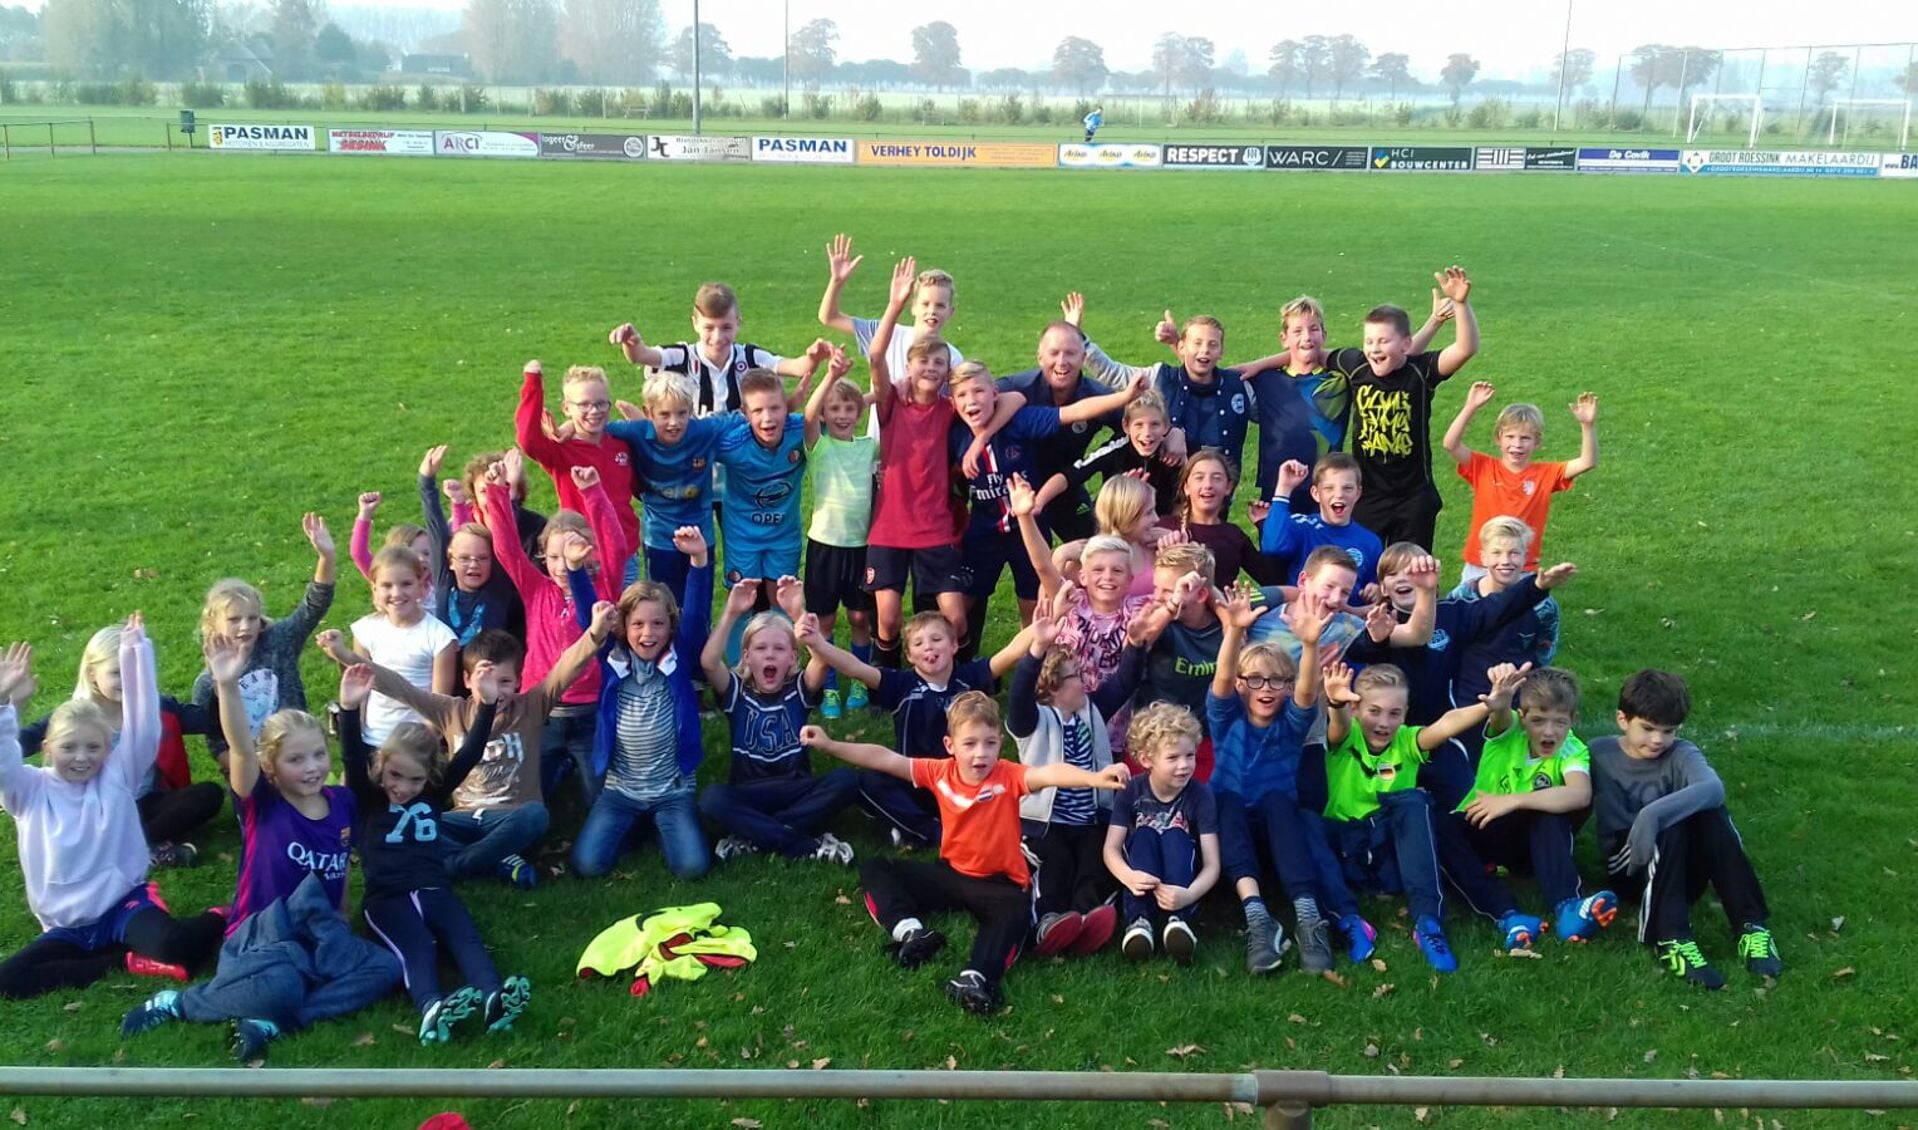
1755, 101
1831, 133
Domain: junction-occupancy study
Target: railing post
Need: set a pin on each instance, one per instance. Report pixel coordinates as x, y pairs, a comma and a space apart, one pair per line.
93, 142
1288, 1116
50, 151
1288, 1097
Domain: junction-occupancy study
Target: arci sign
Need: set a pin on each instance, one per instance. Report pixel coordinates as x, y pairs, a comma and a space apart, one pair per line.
485, 143
804, 150
281, 138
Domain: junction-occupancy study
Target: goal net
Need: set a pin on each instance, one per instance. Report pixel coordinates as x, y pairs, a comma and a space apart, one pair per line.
1706, 106
1894, 113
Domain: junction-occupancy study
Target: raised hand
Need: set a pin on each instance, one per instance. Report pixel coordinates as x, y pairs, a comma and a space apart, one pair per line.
515, 465
1168, 539
625, 334
534, 368
1380, 620
1139, 385
905, 275
17, 683
1020, 496
1167, 331
840, 261
585, 478
430, 462
356, 684
1291, 474
689, 541
332, 644
135, 631
1236, 608
316, 533
806, 628
1424, 573
790, 595
605, 620
1505, 680
1557, 575
1073, 309
1045, 629
1148, 623
369, 504
741, 598
487, 682
1258, 509
1454, 283
1066, 599
1442, 309
454, 490
1585, 408
1481, 394
226, 661
1306, 623
576, 549
1338, 687
496, 473
838, 364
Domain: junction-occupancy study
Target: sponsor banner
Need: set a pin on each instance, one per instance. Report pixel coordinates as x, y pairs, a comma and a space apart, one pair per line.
1215, 156
405, 142
684, 147
1899, 165
484, 143
1112, 156
603, 146
282, 138
974, 154
1628, 160
1555, 160
1780, 163
1422, 158
1500, 157
1354, 157
803, 150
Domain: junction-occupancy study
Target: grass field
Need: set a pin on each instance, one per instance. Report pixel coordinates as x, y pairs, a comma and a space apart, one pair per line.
203, 349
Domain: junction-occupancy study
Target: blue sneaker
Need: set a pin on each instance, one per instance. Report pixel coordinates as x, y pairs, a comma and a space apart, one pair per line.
162, 1007
250, 1038
829, 706
856, 696
1580, 920
515, 871
1359, 936
1520, 930
1431, 942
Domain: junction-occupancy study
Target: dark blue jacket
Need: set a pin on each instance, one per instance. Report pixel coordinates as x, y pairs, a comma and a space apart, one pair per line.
680, 665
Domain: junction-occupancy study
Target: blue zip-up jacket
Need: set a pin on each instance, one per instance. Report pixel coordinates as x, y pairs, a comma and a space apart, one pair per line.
680, 665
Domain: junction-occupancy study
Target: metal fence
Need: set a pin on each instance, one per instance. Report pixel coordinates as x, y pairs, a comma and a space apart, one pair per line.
1284, 1098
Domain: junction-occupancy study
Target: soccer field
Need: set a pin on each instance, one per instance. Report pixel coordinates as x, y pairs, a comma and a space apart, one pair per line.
204, 347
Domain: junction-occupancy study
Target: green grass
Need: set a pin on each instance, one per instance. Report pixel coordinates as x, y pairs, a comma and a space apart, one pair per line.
202, 350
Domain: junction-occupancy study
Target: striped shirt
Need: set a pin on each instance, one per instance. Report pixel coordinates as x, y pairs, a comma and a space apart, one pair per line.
645, 762
1076, 806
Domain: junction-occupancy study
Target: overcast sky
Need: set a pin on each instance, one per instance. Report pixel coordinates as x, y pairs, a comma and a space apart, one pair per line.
1509, 37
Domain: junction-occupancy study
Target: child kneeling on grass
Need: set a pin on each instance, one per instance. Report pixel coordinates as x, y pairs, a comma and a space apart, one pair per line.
981, 867
1163, 842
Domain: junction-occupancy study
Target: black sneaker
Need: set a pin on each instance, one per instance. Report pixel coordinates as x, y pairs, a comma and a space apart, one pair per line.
250, 1038
1686, 961
172, 855
1755, 945
971, 992
1315, 946
440, 1018
919, 946
504, 1006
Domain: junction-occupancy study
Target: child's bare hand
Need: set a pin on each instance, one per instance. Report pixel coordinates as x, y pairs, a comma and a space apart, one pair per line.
628, 410
1487, 807
806, 628
1114, 777
1020, 496
1424, 573
454, 490
533, 367
1148, 624
1138, 882
840, 260
1557, 575
1045, 629
1291, 474
332, 644
431, 461
1380, 619
1236, 607
974, 457
576, 549
225, 659
316, 533
515, 462
605, 620
689, 541
1442, 309
369, 504
1505, 680
17, 683
135, 631
742, 596
1258, 509
790, 595
487, 682
838, 363
624, 334
905, 275
1370, 594
1480, 394
356, 684
496, 473
1455, 284
1073, 309
1170, 897
814, 737
1585, 408
1167, 331
1338, 686
1138, 386
1307, 624
585, 478
1172, 452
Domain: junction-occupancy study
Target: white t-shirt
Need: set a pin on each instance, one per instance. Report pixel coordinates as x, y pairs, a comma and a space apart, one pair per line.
903, 338
406, 651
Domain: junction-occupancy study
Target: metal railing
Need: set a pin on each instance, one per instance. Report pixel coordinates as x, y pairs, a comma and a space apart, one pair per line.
1286, 1099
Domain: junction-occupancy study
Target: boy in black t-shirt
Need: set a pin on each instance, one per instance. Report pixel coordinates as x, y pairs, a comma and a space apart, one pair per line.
1391, 423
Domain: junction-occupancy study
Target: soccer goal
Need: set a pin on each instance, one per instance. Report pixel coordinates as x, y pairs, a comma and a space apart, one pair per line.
1850, 108
1755, 102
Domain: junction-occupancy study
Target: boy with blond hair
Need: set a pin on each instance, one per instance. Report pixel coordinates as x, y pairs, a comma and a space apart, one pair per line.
673, 450
982, 867
587, 406
1513, 483
933, 298
1207, 406
1336, 489
1531, 636
1162, 843
844, 467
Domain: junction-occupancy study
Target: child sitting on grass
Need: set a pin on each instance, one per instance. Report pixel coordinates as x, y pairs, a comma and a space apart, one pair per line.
981, 867
1162, 844
402, 636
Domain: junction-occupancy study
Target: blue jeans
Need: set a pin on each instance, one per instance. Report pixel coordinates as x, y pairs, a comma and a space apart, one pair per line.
1170, 856
777, 814
615, 816
568, 740
480, 841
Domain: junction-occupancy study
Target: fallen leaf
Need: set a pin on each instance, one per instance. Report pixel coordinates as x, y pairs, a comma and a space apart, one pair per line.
1371, 1051
310, 1100
1296, 1018
1812, 615
1838, 924
1421, 1113
404, 1030
496, 1065
71, 1006
1651, 1054
1378, 965
1382, 990
1454, 1064
746, 1123
822, 1063
1184, 1050
1847, 971
363, 1040
572, 1108
1874, 1057
842, 900
952, 1063
56, 1045
19, 1116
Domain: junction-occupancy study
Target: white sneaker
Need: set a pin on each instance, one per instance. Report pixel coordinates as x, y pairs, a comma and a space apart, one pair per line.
833, 849
733, 846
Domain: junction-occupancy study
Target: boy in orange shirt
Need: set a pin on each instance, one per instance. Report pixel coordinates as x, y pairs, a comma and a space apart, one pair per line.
1512, 483
981, 867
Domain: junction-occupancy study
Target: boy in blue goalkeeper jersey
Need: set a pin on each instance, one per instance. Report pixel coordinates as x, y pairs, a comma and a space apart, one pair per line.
673, 454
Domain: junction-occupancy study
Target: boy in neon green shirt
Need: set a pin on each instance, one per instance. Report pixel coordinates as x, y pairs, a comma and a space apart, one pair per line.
1532, 792
1378, 819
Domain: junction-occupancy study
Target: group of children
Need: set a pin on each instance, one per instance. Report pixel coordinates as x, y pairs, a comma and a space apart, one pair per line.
1192, 706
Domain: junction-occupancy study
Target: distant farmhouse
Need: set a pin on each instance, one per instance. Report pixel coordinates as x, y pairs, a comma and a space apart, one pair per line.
445, 66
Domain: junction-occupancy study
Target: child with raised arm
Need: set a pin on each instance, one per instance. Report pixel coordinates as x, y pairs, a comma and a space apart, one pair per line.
553, 618
1512, 484
468, 594
646, 744
717, 361
1336, 490
1529, 637
1163, 841
401, 636
82, 856
673, 450
405, 535
1206, 406
1665, 834
588, 407
933, 298
1054, 721
1533, 790
918, 697
981, 867
297, 833
1392, 393
1206, 483
403, 788
172, 804
1378, 818
1093, 614
1138, 452
269, 681
771, 801
844, 469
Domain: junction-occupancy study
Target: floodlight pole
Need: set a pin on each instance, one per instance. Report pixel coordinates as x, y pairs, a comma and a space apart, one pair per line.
695, 68
1563, 52
786, 60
